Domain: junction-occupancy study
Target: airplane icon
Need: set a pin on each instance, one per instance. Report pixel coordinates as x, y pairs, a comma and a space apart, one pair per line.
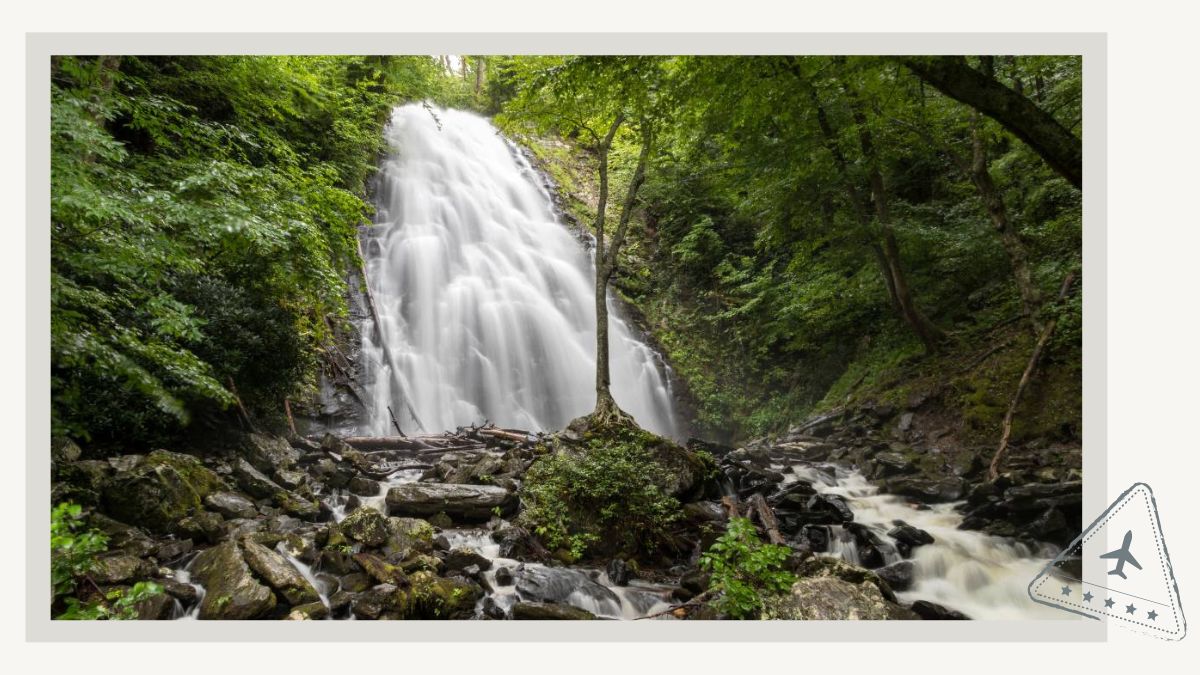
1122, 556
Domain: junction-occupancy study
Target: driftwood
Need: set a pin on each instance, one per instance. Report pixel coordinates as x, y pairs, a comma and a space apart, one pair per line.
287, 408
699, 599
1026, 378
394, 422
241, 408
731, 505
766, 516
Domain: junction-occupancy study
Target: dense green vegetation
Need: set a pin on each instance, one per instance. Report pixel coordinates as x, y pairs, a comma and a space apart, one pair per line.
743, 570
818, 228
203, 212
74, 548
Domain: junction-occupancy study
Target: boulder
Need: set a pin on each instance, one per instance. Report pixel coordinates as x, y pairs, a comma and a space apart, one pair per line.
231, 591
911, 537
119, 569
465, 502
366, 525
888, 464
310, 612
504, 577
898, 575
362, 486
157, 490
231, 505
172, 549
833, 505
461, 558
157, 607
820, 566
406, 536
204, 526
935, 612
292, 480
279, 574
269, 453
828, 599
381, 570
253, 481
296, 505
538, 583
542, 611
929, 490
618, 572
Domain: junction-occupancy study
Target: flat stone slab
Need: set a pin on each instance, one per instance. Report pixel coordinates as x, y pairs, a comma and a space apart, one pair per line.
464, 502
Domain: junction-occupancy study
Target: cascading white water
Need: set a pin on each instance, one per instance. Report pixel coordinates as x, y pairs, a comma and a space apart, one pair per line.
485, 299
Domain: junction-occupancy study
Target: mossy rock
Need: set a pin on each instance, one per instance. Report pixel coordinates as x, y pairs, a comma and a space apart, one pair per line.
232, 592
434, 597
366, 525
158, 490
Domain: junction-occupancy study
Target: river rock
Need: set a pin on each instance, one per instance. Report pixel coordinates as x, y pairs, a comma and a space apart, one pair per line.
542, 611
888, 464
820, 566
618, 572
504, 576
557, 584
381, 570
465, 502
156, 607
279, 574
119, 569
253, 481
157, 490
834, 506
935, 612
231, 505
929, 490
363, 486
310, 612
462, 558
898, 575
908, 536
204, 526
366, 525
406, 536
292, 480
269, 453
232, 592
828, 599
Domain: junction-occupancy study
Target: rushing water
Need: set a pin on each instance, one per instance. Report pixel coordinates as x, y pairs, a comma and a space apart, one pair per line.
485, 298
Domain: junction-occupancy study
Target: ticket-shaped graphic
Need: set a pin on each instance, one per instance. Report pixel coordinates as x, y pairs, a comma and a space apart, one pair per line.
1118, 570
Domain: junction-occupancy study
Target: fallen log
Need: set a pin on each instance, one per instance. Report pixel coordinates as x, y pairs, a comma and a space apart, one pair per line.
766, 516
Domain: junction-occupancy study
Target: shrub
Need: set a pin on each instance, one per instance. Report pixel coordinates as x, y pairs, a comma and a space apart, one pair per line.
73, 551
744, 569
598, 499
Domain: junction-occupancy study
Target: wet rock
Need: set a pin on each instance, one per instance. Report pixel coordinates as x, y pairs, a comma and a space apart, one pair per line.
905, 422
908, 536
888, 464
123, 538
366, 525
253, 481
356, 582
1037, 496
370, 604
828, 599
158, 490
406, 536
184, 593
291, 480
871, 548
362, 486
504, 577
820, 566
204, 526
232, 592
119, 569
461, 558
441, 543
420, 562
817, 537
173, 549
929, 490
492, 609
295, 505
240, 527
935, 612
231, 505
555, 585
279, 574
340, 601
1050, 526
618, 572
695, 581
381, 570
84, 480
63, 449
833, 505
269, 453
898, 575
540, 611
339, 562
157, 607
433, 597
312, 611
466, 502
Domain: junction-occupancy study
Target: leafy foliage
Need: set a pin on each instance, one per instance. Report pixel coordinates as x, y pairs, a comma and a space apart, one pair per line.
744, 569
598, 499
203, 210
73, 551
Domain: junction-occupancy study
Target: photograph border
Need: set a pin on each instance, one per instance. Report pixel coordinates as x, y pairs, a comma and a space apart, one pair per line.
40, 46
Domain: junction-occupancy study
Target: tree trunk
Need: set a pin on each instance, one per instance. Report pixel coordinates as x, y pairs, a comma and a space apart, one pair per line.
480, 64
993, 201
951, 75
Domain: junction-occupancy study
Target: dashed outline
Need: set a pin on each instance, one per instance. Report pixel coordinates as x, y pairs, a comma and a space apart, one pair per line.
1164, 558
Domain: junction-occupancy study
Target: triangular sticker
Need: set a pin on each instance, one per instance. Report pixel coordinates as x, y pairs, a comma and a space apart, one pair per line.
1118, 570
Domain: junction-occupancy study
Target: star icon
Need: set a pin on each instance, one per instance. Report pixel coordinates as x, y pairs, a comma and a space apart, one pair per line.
1087, 597
1108, 602
1130, 609
1066, 590
1152, 615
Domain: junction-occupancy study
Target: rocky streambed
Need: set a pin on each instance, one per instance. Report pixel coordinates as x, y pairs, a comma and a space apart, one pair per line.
306, 529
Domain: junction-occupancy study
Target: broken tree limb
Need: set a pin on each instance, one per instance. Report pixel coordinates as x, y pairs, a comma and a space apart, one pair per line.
287, 408
766, 516
1026, 378
387, 352
394, 422
241, 408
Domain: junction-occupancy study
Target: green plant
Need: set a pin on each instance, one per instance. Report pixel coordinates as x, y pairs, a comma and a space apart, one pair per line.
744, 569
73, 551
603, 495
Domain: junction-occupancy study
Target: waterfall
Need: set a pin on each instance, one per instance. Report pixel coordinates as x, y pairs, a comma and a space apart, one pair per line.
485, 299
